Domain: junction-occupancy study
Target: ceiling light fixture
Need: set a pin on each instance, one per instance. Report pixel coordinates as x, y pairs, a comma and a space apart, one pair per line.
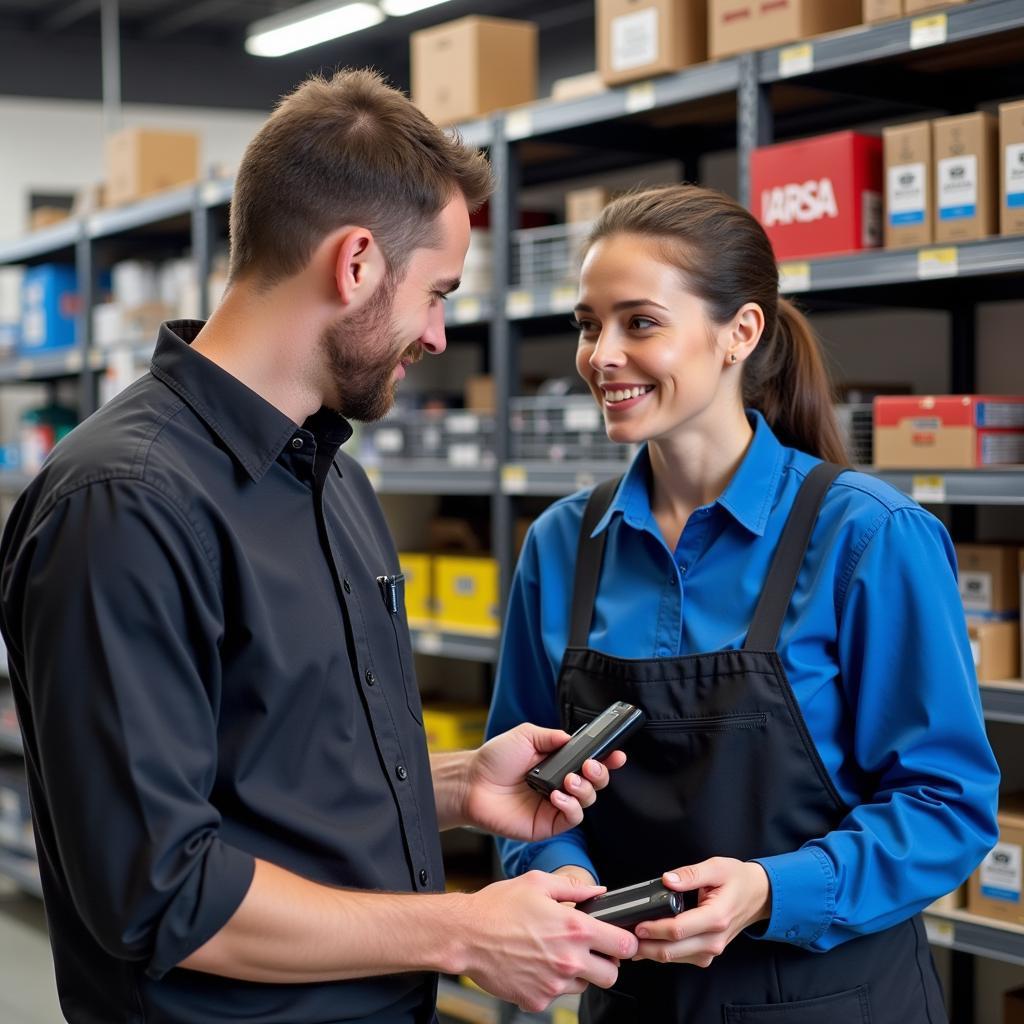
399, 8
307, 25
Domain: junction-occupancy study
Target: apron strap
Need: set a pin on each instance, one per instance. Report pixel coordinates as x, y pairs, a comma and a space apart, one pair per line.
589, 556
789, 556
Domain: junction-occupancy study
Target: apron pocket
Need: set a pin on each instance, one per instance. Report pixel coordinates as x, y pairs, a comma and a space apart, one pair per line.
607, 1006
576, 717
850, 1007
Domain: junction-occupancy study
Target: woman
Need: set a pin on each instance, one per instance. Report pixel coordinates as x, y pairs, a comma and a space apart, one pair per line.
821, 771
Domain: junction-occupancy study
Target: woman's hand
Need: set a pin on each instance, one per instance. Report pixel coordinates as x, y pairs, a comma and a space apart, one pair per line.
733, 895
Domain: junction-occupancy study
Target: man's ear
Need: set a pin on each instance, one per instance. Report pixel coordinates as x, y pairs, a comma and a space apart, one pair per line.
358, 265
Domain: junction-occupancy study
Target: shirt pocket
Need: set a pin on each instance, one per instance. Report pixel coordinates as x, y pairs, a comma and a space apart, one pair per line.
850, 1007
395, 603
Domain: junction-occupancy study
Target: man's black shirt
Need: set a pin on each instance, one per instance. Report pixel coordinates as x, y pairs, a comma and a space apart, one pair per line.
206, 672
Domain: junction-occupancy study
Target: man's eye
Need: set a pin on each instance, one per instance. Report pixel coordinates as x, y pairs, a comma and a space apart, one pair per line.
440, 296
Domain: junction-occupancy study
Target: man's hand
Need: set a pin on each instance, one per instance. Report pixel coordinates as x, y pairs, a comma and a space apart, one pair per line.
734, 894
497, 799
523, 944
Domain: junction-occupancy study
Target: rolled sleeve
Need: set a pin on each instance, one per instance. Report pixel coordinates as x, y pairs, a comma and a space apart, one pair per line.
120, 624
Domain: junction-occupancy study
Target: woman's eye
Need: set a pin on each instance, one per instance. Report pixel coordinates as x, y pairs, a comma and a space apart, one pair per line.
641, 323
586, 326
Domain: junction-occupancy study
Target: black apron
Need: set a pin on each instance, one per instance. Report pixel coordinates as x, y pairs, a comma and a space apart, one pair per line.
725, 766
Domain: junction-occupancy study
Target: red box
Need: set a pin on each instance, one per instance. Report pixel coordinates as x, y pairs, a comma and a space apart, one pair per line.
821, 195
948, 431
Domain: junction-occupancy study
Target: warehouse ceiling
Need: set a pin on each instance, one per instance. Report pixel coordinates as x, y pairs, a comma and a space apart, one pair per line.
190, 52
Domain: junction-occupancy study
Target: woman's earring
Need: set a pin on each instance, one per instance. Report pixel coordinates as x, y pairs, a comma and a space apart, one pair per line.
732, 357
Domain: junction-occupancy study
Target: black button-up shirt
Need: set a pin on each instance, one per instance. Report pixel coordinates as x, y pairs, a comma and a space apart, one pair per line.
206, 671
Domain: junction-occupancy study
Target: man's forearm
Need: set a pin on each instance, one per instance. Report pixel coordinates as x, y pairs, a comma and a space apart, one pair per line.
450, 773
290, 930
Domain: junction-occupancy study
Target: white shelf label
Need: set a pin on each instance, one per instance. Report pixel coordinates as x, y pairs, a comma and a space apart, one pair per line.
513, 479
940, 933
640, 97
518, 124
932, 30
794, 277
929, 489
796, 60
73, 362
519, 304
429, 642
938, 262
467, 310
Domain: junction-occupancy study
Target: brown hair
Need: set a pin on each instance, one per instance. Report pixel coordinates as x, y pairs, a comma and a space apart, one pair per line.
346, 150
727, 260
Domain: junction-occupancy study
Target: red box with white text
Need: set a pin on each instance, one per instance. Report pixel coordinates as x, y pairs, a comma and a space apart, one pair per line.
819, 196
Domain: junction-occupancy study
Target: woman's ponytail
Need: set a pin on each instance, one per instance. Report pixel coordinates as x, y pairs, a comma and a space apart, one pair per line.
726, 259
785, 379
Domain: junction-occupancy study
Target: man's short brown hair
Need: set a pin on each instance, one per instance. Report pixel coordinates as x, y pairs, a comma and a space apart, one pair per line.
346, 150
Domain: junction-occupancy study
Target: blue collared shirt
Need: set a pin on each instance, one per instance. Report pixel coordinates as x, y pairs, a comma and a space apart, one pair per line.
874, 645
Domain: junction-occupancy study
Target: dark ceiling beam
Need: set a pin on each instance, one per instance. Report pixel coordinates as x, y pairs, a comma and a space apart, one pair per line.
66, 15
186, 17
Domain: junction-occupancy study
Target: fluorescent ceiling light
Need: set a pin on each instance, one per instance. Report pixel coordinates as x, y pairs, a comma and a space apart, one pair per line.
398, 8
307, 25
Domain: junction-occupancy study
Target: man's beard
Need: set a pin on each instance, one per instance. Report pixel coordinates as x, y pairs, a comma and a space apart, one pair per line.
359, 350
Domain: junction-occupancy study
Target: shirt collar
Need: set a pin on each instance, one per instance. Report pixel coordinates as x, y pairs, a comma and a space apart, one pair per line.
748, 498
253, 430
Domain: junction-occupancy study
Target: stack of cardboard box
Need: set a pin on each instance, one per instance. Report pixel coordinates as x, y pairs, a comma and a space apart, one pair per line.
989, 576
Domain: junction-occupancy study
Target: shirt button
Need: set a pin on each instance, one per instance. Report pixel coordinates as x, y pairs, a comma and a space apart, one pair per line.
401, 773
792, 933
347, 586
296, 443
424, 877
370, 679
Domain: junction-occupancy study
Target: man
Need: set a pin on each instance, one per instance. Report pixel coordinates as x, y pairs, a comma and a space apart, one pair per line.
235, 813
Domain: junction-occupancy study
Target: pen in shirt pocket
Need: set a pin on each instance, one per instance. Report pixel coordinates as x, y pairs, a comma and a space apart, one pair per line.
389, 590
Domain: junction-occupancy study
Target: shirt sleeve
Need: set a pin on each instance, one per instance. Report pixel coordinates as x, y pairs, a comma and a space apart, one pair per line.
526, 691
113, 603
927, 817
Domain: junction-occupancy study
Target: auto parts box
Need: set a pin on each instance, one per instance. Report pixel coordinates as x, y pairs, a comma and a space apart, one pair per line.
820, 195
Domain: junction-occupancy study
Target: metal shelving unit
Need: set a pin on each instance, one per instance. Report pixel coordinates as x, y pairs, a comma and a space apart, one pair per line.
980, 936
446, 644
23, 871
430, 477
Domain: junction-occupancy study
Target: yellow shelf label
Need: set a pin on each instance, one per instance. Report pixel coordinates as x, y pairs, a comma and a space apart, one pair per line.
794, 277
938, 262
931, 30
796, 60
928, 489
563, 298
518, 124
562, 1015
519, 304
513, 479
640, 97
467, 310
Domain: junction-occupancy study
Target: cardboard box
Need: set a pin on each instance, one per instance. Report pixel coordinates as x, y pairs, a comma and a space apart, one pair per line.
473, 66
965, 177
820, 195
49, 305
45, 216
479, 393
466, 594
989, 580
738, 25
454, 726
908, 184
914, 6
881, 10
995, 647
575, 87
418, 570
1011, 164
141, 161
995, 890
583, 205
948, 431
641, 38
